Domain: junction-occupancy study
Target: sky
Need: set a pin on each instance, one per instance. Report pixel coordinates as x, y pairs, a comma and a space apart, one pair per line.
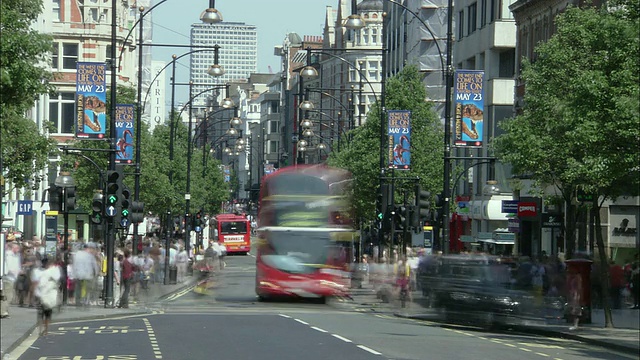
273, 18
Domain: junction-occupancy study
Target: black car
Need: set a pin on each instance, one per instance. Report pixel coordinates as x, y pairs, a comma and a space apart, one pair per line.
476, 290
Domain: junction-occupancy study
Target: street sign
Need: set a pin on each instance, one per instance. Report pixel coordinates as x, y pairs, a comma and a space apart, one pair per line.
25, 207
111, 211
509, 206
124, 222
198, 229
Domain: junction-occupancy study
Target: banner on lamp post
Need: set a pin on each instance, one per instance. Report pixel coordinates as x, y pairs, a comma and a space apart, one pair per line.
91, 100
399, 134
469, 107
124, 133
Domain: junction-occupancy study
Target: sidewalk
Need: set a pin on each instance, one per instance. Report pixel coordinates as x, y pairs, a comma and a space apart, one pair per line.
22, 320
625, 337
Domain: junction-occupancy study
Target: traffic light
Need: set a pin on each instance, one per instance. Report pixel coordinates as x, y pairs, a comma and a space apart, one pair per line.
137, 212
55, 203
439, 214
125, 207
69, 199
114, 193
401, 217
197, 221
423, 207
97, 207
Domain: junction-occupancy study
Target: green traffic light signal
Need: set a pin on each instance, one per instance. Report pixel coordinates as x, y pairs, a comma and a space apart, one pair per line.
125, 212
112, 199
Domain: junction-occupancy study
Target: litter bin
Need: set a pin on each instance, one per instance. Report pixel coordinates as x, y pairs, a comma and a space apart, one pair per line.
173, 275
582, 269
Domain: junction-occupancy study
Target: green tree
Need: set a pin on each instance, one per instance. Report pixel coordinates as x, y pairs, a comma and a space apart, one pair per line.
580, 126
405, 91
23, 51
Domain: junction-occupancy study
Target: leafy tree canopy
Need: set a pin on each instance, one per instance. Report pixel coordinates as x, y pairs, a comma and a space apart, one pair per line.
361, 156
23, 50
580, 125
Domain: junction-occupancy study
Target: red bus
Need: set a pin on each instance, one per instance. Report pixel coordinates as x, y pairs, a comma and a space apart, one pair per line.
233, 231
305, 233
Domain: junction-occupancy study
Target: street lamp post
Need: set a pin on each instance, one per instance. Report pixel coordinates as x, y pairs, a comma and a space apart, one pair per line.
64, 181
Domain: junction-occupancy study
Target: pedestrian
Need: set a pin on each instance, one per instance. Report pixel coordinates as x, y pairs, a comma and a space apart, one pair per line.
86, 270
47, 291
181, 263
574, 298
616, 284
117, 278
12, 262
128, 272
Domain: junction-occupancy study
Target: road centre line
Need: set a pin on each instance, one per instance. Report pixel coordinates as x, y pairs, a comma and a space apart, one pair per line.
369, 350
301, 321
318, 329
152, 338
341, 338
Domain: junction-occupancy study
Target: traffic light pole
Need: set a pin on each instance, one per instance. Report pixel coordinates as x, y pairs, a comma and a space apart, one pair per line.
65, 213
111, 238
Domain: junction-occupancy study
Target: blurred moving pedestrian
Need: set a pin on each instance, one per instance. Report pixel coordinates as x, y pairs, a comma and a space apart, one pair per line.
128, 272
86, 270
182, 260
13, 266
47, 291
574, 298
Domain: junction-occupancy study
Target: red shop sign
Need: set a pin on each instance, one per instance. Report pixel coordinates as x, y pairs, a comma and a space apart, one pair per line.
527, 209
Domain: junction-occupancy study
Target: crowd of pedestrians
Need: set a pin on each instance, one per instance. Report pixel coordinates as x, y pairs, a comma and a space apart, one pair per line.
544, 276
82, 278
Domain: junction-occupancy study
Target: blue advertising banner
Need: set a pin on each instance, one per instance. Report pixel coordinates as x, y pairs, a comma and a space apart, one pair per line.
469, 105
124, 133
91, 98
399, 133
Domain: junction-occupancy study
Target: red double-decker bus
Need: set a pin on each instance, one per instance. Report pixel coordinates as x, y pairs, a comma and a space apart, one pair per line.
233, 231
305, 233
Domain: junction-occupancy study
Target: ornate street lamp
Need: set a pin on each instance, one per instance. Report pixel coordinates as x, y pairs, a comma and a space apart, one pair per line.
307, 105
309, 72
215, 70
307, 132
354, 21
211, 15
306, 123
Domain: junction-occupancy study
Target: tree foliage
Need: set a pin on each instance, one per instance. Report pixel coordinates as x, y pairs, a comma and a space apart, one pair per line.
580, 126
23, 52
361, 155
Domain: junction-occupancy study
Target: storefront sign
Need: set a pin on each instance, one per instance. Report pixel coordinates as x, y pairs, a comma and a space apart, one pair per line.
527, 209
551, 221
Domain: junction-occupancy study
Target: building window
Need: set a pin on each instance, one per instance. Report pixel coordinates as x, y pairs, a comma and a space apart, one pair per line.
69, 58
483, 13
274, 126
473, 15
494, 9
460, 24
273, 147
62, 111
56, 10
507, 64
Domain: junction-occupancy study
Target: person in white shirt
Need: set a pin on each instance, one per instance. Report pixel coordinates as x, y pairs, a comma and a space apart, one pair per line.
47, 288
13, 266
181, 263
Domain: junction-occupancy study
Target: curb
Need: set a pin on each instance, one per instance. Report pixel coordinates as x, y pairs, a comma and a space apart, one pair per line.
553, 334
563, 335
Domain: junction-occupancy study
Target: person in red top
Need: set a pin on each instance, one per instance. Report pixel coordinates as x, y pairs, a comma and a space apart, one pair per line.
616, 284
128, 271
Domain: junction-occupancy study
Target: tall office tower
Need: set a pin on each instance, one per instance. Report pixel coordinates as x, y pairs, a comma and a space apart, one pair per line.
238, 55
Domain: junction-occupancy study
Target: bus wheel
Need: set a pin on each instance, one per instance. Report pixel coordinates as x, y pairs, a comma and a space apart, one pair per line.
262, 298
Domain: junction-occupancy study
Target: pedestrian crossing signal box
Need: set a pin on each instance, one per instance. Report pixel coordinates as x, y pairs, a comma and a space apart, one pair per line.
428, 236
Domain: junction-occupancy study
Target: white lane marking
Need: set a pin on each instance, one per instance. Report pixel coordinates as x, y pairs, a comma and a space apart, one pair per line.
369, 350
301, 322
318, 329
341, 338
285, 316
